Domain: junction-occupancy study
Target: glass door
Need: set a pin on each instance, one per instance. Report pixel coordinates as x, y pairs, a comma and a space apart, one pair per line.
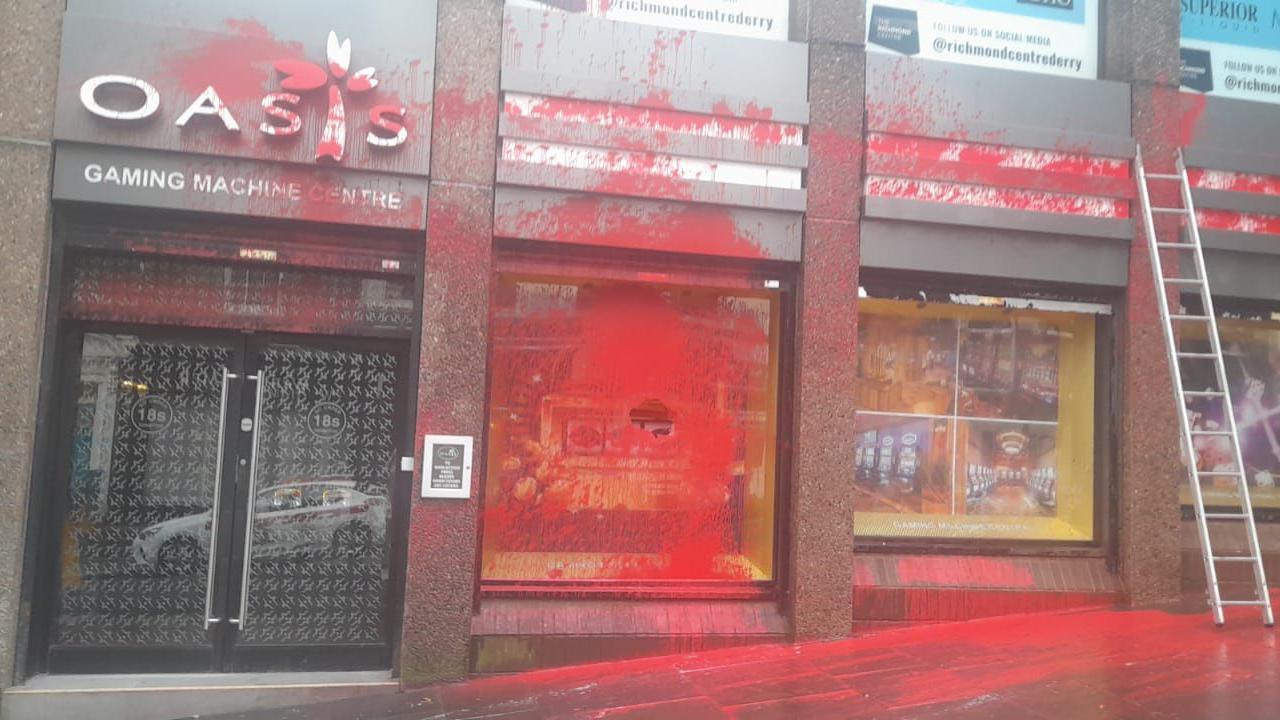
314, 570
227, 503
144, 494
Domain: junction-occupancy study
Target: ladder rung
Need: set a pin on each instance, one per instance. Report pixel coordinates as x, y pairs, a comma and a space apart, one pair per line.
1225, 516
1219, 473
1233, 558
1162, 176
1218, 433
1242, 602
1204, 393
1183, 281
1177, 246
1169, 211
1189, 317
1196, 355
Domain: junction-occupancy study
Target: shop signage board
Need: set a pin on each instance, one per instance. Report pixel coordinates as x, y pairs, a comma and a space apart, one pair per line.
174, 181
446, 466
765, 19
1054, 37
1232, 49
272, 92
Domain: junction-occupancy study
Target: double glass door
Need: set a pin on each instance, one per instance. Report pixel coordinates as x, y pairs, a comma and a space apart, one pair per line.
227, 503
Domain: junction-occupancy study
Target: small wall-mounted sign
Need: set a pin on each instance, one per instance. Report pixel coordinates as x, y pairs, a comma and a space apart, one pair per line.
446, 464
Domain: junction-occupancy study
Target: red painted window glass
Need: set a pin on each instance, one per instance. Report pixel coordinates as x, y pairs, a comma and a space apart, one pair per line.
632, 432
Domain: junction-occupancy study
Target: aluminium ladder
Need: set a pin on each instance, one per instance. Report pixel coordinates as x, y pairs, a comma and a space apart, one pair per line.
1197, 281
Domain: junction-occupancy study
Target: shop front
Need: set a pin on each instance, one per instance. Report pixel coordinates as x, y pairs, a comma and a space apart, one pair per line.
239, 204
699, 325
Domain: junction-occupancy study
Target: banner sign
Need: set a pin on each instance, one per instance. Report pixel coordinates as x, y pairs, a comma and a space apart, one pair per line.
1055, 37
766, 19
1232, 49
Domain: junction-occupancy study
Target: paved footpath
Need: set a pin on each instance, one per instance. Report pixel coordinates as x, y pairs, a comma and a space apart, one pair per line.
1065, 666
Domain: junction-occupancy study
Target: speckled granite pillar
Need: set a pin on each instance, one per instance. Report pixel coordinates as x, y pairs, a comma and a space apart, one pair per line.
29, 53
821, 595
440, 577
1142, 48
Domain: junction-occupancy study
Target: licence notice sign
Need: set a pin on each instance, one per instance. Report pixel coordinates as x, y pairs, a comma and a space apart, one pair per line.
447, 466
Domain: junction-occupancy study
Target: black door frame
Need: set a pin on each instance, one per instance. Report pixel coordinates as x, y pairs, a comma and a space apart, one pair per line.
220, 654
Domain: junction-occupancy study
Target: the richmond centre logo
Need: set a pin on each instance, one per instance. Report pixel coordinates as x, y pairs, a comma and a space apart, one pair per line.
281, 119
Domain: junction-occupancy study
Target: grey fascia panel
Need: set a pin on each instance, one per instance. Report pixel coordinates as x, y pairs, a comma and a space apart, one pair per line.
1236, 135
575, 179
1257, 163
994, 253
795, 156
534, 82
1243, 275
1241, 242
1238, 201
974, 216
778, 234
1001, 106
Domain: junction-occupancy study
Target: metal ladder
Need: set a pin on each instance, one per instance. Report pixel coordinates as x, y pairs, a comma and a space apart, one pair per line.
1198, 282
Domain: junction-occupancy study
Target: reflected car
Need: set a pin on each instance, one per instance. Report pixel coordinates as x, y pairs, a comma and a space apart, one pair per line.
308, 517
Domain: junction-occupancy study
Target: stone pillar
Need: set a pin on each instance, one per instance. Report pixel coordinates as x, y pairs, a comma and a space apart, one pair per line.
29, 51
1141, 41
441, 573
821, 592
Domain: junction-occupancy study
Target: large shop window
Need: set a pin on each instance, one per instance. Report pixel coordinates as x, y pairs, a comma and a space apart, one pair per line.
632, 432
1251, 351
974, 422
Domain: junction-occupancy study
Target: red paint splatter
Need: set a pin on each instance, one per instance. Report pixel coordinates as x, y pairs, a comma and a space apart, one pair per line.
1234, 181
238, 64
973, 572
1193, 106
985, 196
1238, 222
723, 123
455, 104
621, 443
701, 229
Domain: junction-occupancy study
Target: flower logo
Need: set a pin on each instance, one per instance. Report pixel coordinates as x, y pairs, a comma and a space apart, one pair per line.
303, 76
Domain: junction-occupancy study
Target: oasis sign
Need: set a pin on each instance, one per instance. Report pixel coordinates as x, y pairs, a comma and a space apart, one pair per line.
349, 88
280, 116
285, 110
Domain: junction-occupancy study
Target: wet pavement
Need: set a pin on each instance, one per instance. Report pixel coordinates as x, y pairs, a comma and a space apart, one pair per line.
1063, 666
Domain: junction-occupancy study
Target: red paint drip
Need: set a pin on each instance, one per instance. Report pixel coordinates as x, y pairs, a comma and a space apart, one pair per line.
1193, 106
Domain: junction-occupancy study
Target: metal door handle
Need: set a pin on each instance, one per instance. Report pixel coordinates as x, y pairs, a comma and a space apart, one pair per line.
212, 555
261, 380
